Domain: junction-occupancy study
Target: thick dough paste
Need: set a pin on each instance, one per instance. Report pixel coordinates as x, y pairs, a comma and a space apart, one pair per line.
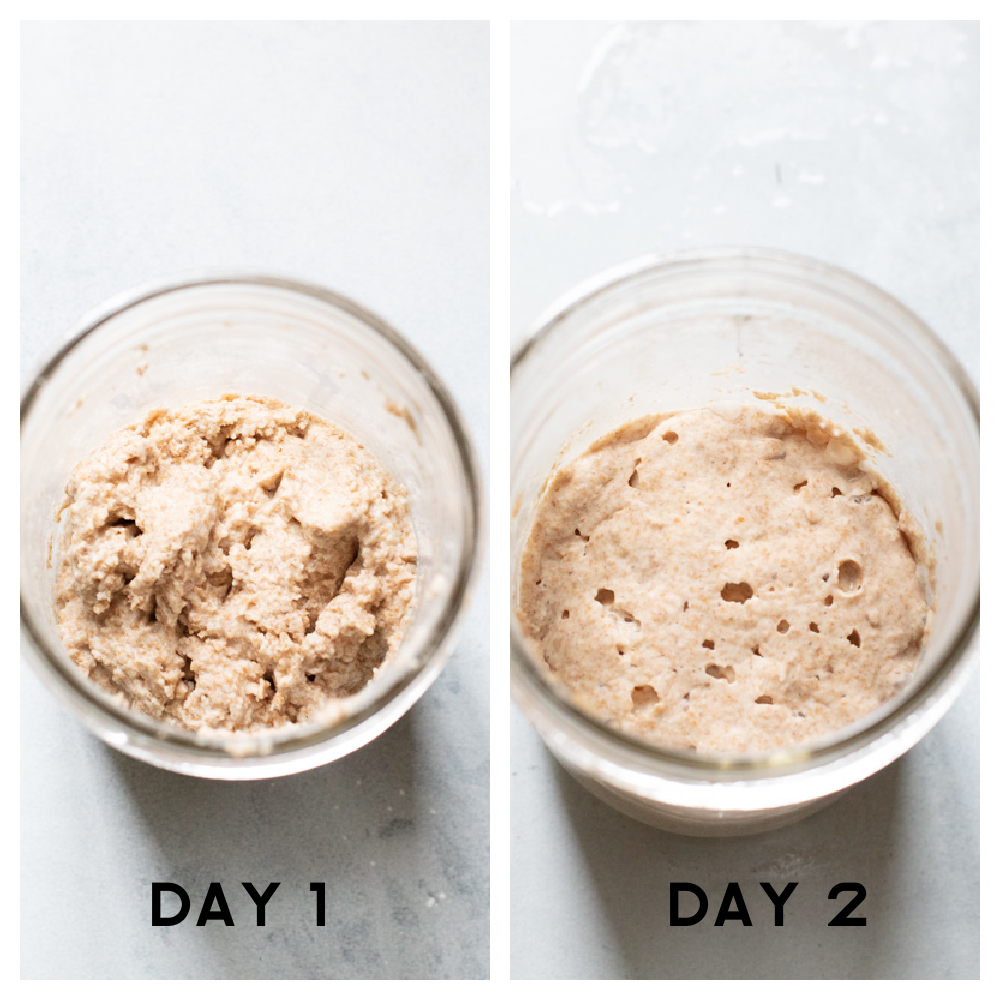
724, 580
234, 564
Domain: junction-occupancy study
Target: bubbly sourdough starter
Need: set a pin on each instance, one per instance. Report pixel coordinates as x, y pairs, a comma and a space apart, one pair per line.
234, 564
724, 581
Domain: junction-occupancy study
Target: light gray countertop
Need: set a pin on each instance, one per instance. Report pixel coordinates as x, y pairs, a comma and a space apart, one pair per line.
354, 155
853, 143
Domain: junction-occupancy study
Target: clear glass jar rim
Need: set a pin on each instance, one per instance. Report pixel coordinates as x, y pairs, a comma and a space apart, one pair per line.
291, 739
701, 765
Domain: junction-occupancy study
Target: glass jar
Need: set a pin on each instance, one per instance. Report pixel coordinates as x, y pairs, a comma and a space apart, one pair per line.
180, 342
668, 333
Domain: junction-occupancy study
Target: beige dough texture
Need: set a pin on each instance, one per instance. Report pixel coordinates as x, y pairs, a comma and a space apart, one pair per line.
233, 565
724, 580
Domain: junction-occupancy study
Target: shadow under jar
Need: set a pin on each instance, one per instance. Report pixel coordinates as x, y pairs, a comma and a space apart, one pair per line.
178, 343
662, 334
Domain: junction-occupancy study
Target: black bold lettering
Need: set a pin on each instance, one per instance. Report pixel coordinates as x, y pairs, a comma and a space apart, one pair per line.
733, 895
779, 901
676, 888
320, 889
215, 895
844, 918
261, 901
158, 919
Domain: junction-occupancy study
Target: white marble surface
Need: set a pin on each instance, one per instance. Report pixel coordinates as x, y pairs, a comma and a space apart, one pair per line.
854, 143
354, 155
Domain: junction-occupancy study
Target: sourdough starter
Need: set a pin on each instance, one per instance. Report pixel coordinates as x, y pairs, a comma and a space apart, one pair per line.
235, 564
725, 580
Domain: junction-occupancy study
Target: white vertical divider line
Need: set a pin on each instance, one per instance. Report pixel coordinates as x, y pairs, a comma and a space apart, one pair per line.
10, 74
499, 500
989, 369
